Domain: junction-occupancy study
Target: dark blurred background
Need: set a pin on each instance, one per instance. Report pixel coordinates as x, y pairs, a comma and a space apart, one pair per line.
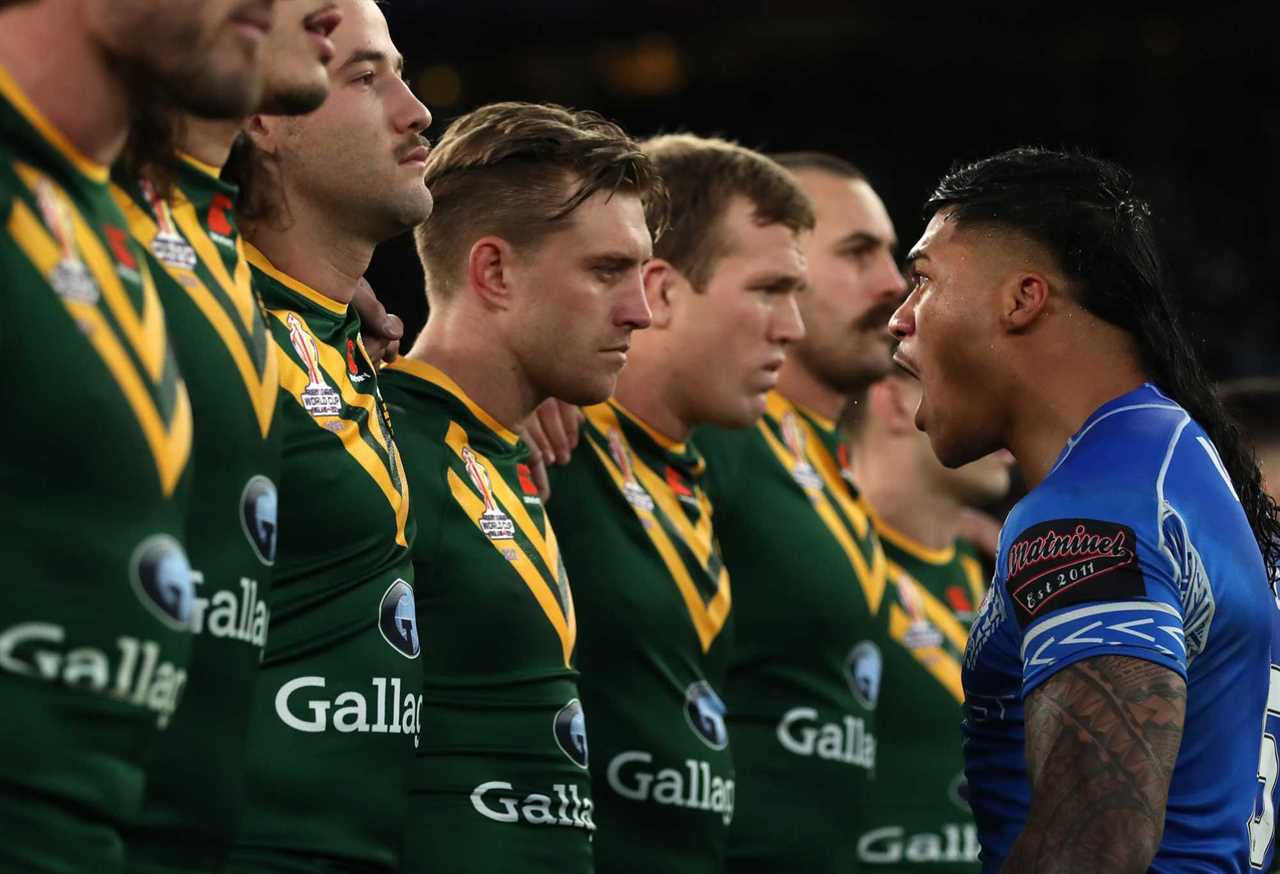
1187, 100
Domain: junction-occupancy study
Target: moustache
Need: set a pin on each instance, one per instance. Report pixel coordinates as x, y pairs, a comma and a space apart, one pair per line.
416, 142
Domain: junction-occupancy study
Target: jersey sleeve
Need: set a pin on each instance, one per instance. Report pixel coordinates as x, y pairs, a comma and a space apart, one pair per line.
1088, 586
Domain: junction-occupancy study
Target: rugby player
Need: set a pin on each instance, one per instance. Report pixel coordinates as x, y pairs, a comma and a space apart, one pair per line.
337, 703
635, 524
182, 214
93, 624
920, 820
533, 263
1118, 676
807, 568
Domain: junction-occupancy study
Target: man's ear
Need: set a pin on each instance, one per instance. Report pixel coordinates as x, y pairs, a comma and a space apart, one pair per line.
1024, 300
265, 132
662, 283
489, 272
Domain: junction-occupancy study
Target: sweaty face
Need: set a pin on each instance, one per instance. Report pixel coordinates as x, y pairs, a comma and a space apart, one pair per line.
361, 157
297, 55
732, 336
854, 284
206, 55
578, 295
948, 327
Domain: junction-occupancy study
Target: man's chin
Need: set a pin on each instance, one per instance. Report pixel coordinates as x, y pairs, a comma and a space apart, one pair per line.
293, 99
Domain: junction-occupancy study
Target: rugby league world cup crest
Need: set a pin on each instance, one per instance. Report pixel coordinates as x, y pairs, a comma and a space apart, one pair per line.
495, 523
793, 435
70, 276
318, 398
168, 246
631, 489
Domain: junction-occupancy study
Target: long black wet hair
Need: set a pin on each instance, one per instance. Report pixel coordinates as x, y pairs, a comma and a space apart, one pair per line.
1084, 211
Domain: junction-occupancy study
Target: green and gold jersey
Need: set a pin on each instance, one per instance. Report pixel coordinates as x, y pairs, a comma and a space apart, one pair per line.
804, 676
204, 283
96, 608
337, 703
654, 600
919, 820
501, 781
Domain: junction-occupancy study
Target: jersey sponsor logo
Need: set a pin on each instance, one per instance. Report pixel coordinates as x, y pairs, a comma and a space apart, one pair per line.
528, 488
217, 222
71, 277
892, 844
847, 741
570, 730
126, 263
318, 398
794, 436
497, 800
302, 705
863, 669
958, 791
704, 711
960, 602
258, 511
168, 245
230, 614
398, 619
631, 489
162, 580
695, 788
493, 521
133, 672
1061, 562
680, 488
353, 369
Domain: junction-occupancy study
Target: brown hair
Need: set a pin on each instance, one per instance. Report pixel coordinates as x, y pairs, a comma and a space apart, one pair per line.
821, 161
703, 175
504, 168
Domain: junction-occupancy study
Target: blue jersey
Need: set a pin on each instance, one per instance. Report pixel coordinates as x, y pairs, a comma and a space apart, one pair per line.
1135, 545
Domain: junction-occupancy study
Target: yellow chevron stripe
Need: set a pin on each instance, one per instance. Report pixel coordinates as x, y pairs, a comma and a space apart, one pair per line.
937, 612
973, 574
170, 443
937, 661
566, 630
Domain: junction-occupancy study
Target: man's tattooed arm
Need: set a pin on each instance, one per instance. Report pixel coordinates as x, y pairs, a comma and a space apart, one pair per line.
1102, 739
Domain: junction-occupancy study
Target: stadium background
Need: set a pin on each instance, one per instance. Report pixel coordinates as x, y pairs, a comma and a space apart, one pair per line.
1186, 100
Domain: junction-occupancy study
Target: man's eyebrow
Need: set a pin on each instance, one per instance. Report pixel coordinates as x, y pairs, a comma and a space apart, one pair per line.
777, 282
917, 254
374, 56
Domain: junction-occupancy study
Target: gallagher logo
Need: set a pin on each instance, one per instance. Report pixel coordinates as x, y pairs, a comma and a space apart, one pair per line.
1061, 562
258, 507
570, 730
162, 579
705, 713
398, 619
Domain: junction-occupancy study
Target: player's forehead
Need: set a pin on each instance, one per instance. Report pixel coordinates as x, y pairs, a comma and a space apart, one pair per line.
846, 207
608, 223
364, 36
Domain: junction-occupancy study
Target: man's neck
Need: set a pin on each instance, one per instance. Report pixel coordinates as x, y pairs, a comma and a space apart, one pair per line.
799, 385
903, 501
645, 389
49, 53
314, 252
461, 345
209, 141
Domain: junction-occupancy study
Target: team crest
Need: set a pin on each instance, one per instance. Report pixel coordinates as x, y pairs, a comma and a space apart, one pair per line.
864, 667
495, 524
258, 509
169, 247
793, 435
570, 730
318, 398
631, 489
920, 633
398, 619
704, 712
162, 580
70, 277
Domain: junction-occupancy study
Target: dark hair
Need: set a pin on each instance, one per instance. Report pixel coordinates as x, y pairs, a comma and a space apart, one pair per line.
1083, 210
519, 170
151, 150
821, 161
703, 174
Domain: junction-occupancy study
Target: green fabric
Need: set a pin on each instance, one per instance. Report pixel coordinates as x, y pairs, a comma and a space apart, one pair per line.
337, 705
501, 780
204, 283
920, 820
653, 655
808, 583
94, 612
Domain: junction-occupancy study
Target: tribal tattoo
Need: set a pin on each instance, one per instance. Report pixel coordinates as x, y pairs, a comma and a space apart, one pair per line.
1102, 739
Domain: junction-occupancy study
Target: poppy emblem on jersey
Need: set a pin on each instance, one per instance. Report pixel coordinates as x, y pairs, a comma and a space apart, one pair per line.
398, 619
865, 667
168, 246
70, 277
920, 633
631, 489
495, 524
570, 730
318, 398
258, 509
119, 244
219, 226
793, 435
704, 711
353, 369
162, 579
1061, 562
